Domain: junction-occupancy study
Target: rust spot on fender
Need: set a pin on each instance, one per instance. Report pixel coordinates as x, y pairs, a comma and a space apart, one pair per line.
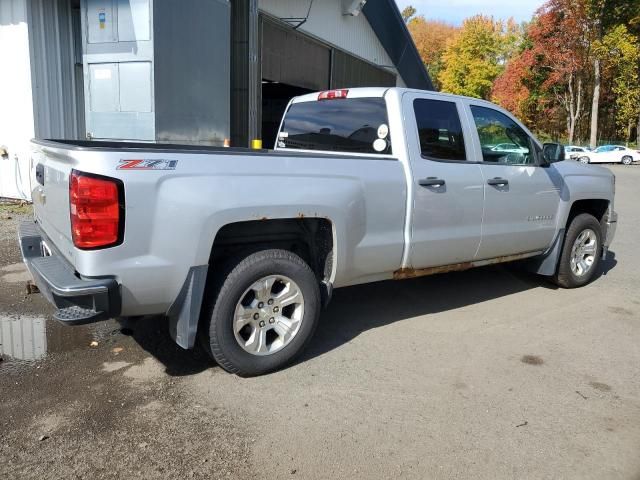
406, 273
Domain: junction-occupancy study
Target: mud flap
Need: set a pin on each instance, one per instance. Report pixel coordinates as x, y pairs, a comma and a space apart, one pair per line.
184, 313
547, 263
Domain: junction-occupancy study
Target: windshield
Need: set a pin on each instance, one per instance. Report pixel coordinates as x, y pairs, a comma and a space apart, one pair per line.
353, 125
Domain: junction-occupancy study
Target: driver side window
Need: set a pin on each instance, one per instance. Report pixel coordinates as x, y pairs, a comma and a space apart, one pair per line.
502, 140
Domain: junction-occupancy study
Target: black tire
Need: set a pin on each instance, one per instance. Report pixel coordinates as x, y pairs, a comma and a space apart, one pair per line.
565, 277
219, 338
627, 160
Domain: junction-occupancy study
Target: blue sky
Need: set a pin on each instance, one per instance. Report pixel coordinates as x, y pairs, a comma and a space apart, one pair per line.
454, 11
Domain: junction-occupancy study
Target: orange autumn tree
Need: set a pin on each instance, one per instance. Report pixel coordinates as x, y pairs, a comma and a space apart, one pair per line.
510, 89
552, 69
431, 37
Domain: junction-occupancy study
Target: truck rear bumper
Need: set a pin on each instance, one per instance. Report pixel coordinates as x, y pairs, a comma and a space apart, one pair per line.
77, 300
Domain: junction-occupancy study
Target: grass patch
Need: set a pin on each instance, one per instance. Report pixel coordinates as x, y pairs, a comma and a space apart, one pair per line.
8, 208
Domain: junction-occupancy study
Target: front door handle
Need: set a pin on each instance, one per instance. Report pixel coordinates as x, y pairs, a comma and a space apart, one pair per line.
500, 182
432, 182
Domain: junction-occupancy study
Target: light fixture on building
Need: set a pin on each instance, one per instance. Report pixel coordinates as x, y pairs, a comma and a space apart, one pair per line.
352, 7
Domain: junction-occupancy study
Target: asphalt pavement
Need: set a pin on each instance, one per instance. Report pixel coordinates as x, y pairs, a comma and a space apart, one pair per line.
487, 374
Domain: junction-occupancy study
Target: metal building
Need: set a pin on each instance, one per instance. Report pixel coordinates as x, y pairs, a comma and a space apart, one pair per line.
182, 71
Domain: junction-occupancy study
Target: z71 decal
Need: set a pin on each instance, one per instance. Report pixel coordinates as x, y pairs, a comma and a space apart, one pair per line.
147, 165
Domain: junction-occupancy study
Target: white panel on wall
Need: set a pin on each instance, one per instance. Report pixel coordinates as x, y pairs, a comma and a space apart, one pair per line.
103, 87
118, 74
101, 23
135, 87
16, 113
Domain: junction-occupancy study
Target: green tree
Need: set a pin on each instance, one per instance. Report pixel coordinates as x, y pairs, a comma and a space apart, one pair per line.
602, 18
407, 13
622, 50
477, 54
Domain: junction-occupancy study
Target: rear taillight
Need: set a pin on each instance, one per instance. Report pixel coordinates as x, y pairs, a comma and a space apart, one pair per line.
97, 210
333, 94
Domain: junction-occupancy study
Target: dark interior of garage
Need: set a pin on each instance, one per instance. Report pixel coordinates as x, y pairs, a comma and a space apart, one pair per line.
275, 97
293, 64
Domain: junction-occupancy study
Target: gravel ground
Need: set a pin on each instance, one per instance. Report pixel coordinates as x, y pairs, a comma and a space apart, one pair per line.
486, 374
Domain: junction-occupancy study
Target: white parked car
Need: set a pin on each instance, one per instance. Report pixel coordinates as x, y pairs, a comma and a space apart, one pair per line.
611, 154
509, 148
573, 151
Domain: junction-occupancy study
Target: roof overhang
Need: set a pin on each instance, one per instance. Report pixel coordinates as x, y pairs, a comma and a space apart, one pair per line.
387, 23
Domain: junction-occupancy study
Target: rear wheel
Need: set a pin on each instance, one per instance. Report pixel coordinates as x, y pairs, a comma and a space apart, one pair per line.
627, 160
583, 159
265, 313
581, 252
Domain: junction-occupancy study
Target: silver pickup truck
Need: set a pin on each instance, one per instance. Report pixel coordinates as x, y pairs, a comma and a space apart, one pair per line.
241, 248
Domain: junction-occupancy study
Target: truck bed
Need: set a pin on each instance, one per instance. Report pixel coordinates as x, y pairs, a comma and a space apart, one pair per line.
148, 147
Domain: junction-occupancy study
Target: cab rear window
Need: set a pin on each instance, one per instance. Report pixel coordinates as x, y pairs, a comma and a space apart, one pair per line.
351, 125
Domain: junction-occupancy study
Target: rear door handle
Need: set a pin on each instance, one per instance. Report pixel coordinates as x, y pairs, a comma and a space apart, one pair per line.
40, 174
432, 182
500, 182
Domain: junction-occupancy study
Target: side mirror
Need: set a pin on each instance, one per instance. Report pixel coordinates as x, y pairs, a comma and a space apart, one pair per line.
552, 152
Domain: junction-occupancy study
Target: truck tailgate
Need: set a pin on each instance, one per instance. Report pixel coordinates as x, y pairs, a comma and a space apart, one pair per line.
50, 183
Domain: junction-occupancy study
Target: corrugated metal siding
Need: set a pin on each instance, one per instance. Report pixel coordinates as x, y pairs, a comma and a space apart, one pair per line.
326, 22
349, 71
290, 57
16, 113
53, 77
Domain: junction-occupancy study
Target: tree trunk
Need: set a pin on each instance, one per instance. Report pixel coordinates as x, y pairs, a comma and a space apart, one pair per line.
571, 121
574, 107
572, 129
595, 104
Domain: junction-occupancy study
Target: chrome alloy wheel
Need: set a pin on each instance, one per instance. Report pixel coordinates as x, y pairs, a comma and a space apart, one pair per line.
268, 315
583, 253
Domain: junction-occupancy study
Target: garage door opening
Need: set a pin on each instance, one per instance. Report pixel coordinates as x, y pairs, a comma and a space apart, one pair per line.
275, 97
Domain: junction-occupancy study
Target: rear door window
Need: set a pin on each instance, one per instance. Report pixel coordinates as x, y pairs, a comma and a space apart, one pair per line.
439, 130
351, 125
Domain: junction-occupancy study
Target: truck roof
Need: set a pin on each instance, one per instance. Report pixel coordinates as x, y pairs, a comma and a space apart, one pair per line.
368, 92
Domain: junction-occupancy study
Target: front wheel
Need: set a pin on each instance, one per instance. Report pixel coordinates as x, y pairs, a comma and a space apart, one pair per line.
264, 314
627, 160
581, 252
583, 159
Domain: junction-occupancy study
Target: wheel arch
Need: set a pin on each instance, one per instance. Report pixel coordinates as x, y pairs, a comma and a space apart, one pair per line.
598, 207
547, 264
311, 238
